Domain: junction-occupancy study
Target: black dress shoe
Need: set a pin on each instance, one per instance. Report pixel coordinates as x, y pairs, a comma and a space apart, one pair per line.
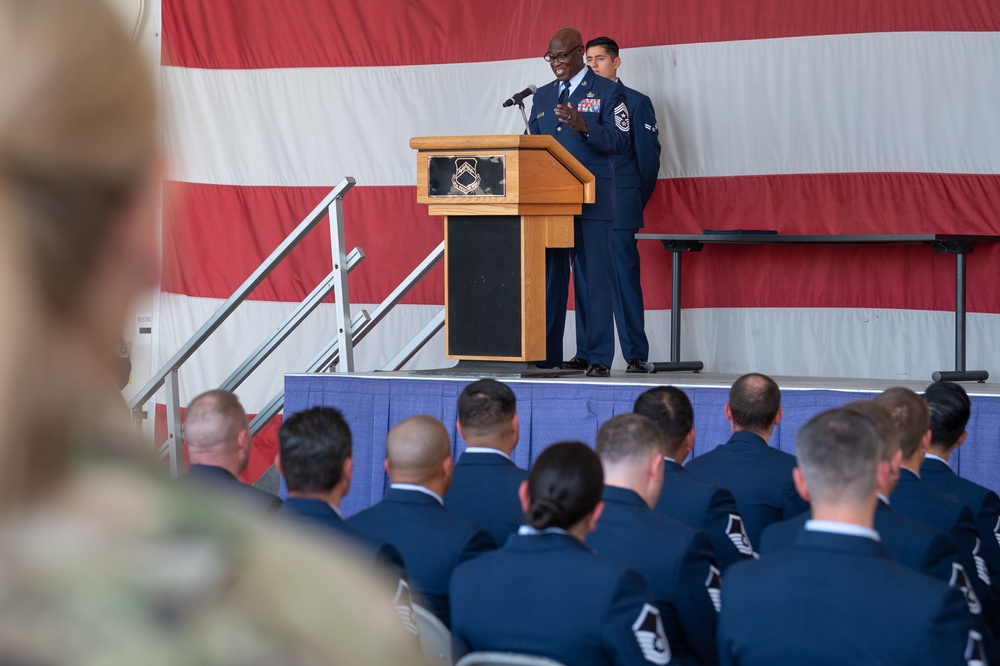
575, 363
636, 365
598, 370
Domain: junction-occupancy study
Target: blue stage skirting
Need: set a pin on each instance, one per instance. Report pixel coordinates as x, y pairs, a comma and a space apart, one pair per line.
550, 411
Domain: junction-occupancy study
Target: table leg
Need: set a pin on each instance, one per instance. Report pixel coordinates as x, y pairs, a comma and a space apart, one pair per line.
960, 374
676, 364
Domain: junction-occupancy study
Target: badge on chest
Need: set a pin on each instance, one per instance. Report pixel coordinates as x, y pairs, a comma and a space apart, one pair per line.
589, 105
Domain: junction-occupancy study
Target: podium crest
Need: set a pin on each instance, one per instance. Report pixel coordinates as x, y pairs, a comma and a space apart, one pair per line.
466, 178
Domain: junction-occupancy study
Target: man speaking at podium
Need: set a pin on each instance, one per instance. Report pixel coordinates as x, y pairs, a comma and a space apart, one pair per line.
587, 115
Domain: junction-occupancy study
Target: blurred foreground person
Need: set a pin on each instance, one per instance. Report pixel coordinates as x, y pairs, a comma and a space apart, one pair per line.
103, 559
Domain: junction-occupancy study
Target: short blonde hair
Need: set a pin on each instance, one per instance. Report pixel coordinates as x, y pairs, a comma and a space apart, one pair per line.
77, 146
77, 132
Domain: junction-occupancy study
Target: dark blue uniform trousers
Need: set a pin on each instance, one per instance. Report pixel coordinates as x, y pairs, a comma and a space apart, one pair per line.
626, 299
591, 261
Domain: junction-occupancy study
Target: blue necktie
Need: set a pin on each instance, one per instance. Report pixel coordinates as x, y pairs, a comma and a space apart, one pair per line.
564, 94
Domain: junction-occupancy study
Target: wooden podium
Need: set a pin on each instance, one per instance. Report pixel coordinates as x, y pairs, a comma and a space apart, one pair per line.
505, 199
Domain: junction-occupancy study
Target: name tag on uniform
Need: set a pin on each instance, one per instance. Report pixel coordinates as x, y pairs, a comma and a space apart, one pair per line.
589, 105
539, 115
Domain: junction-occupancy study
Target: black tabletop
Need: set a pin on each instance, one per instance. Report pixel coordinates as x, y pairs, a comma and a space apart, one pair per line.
822, 239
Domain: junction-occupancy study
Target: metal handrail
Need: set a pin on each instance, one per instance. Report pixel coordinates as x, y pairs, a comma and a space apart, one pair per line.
146, 393
343, 263
338, 352
291, 322
330, 354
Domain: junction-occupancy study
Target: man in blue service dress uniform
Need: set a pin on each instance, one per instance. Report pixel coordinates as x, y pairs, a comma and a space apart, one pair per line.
412, 516
917, 546
918, 500
587, 114
950, 410
676, 560
636, 171
837, 596
219, 441
484, 485
759, 476
685, 497
315, 458
913, 544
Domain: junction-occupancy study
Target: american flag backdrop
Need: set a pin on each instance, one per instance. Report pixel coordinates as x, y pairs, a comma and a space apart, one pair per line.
827, 116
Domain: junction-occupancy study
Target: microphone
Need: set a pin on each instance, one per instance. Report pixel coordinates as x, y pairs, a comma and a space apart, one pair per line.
517, 98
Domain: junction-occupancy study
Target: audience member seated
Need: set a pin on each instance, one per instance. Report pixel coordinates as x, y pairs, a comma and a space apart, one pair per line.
686, 497
545, 593
913, 544
314, 457
873, 609
412, 517
675, 560
484, 488
922, 502
218, 443
759, 476
950, 410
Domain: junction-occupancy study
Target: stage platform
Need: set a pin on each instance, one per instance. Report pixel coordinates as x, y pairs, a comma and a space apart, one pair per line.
573, 408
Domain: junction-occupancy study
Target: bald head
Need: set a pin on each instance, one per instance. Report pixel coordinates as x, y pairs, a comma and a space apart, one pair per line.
417, 449
566, 50
565, 37
216, 431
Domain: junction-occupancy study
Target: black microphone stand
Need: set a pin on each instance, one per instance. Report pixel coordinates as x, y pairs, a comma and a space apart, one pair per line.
527, 127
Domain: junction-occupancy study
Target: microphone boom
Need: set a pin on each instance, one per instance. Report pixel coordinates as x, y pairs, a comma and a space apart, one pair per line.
517, 98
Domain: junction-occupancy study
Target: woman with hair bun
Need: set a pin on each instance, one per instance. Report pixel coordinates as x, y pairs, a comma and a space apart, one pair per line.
545, 593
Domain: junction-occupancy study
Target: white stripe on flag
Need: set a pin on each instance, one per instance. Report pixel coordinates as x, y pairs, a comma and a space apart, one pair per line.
881, 102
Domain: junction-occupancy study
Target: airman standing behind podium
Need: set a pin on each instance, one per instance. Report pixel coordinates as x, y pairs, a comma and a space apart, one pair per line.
587, 114
636, 171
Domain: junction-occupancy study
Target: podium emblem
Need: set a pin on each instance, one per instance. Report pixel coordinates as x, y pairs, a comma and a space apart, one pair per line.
466, 176
466, 179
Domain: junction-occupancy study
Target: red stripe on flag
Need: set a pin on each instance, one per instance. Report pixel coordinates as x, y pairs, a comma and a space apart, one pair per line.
262, 455
219, 234
256, 34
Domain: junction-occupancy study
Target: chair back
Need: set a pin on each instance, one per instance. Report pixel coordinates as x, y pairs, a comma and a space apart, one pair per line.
435, 639
505, 659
